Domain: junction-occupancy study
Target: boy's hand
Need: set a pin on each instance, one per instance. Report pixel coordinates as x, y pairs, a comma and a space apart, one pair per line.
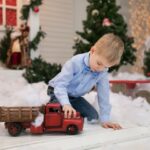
69, 111
115, 126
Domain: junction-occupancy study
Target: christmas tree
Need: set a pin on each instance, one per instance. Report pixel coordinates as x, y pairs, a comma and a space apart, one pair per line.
102, 18
5, 44
147, 62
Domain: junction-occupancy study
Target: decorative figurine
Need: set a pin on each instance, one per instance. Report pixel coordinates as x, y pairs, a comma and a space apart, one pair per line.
14, 52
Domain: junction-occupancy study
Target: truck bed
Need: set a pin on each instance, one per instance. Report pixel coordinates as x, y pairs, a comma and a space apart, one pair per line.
18, 114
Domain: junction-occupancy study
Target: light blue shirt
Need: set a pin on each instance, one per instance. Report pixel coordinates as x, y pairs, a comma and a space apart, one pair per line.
76, 79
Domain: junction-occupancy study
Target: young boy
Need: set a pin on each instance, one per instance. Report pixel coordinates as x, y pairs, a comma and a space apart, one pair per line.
83, 72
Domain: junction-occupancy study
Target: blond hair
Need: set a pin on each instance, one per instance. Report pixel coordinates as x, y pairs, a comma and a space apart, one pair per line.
111, 47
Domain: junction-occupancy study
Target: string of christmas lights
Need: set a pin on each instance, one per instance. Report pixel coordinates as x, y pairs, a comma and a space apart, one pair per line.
139, 22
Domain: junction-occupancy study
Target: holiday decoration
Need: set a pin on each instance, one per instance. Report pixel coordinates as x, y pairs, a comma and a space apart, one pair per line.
36, 9
139, 21
106, 22
76, 39
26, 61
18, 52
95, 12
102, 18
34, 5
89, 31
34, 43
26, 10
14, 51
22, 44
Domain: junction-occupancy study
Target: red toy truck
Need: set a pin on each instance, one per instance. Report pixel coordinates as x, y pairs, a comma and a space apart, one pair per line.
18, 119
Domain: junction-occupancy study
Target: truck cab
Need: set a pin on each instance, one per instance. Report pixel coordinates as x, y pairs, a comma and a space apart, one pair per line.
53, 115
54, 121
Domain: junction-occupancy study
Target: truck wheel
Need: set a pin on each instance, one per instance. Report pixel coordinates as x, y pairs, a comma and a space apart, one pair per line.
14, 129
72, 130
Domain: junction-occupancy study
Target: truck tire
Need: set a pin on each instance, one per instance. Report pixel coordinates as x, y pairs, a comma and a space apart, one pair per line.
72, 130
14, 129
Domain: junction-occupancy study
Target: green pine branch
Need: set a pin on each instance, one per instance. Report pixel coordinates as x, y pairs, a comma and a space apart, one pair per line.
35, 42
40, 70
147, 62
5, 44
26, 8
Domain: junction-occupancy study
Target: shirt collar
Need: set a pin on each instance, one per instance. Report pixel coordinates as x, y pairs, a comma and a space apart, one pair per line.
87, 65
86, 59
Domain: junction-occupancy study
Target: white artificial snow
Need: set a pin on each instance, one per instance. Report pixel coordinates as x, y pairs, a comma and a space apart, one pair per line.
39, 120
127, 76
15, 91
132, 114
125, 109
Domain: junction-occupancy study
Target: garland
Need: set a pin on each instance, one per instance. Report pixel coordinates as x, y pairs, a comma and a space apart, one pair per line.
34, 5
33, 44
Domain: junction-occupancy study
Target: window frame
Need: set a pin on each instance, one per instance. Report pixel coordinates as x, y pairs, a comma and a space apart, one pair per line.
17, 8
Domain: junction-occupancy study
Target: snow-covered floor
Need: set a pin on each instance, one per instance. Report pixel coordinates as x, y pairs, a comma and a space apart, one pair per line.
133, 115
93, 137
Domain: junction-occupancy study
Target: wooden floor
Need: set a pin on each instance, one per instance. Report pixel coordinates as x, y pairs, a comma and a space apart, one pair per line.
93, 137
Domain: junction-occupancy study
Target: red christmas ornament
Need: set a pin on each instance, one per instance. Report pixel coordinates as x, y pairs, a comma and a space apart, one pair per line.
36, 9
106, 22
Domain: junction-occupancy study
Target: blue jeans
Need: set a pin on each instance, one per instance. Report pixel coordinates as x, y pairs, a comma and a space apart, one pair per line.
85, 108
80, 105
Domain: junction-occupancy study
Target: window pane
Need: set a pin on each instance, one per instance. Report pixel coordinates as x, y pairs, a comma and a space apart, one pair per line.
11, 17
11, 2
1, 18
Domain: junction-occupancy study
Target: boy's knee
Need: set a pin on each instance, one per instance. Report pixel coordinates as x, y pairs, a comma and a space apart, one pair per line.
50, 90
